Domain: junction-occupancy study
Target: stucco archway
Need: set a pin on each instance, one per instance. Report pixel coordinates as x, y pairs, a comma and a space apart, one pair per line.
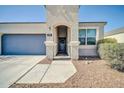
62, 33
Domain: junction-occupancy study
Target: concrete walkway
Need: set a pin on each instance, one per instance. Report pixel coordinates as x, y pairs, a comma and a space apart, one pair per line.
58, 72
13, 68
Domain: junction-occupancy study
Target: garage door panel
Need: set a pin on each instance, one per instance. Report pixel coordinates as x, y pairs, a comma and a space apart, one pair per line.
23, 44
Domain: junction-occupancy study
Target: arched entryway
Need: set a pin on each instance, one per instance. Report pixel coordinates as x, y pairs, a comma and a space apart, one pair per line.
62, 40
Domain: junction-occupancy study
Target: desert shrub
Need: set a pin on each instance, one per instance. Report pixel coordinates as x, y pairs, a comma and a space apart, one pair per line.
105, 47
112, 53
107, 40
107, 51
118, 61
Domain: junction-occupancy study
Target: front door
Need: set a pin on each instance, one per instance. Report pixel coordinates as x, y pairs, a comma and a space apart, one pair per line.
62, 46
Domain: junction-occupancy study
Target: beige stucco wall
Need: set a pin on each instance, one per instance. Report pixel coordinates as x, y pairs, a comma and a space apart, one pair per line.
119, 37
56, 17
23, 28
63, 15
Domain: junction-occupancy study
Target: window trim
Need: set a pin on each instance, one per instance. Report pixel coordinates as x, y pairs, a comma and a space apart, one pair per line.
97, 32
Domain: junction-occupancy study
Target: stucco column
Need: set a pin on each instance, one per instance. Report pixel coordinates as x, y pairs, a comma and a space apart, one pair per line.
74, 50
49, 49
74, 42
49, 42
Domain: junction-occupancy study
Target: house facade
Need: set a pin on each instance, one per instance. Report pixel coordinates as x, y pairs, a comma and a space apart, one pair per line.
61, 35
118, 34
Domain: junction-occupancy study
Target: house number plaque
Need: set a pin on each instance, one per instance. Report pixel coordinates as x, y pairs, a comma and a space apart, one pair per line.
49, 35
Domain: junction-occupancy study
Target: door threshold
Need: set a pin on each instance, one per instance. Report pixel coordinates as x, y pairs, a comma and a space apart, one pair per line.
62, 57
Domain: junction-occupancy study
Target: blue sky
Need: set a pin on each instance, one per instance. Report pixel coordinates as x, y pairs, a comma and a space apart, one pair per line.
114, 15
22, 13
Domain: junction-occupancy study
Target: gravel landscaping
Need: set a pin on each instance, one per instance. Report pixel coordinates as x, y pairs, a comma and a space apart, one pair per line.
90, 74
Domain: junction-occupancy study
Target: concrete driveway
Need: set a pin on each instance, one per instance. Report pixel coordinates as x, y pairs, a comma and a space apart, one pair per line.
12, 68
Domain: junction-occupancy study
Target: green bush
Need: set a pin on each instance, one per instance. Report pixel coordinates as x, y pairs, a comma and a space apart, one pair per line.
107, 40
105, 50
113, 53
105, 47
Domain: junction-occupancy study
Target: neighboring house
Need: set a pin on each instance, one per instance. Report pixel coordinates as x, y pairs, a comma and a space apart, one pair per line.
62, 34
118, 34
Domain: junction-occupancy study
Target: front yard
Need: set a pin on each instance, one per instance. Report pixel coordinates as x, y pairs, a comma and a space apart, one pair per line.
96, 74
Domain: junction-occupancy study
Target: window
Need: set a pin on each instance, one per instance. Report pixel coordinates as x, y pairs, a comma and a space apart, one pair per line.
87, 36
82, 36
91, 36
